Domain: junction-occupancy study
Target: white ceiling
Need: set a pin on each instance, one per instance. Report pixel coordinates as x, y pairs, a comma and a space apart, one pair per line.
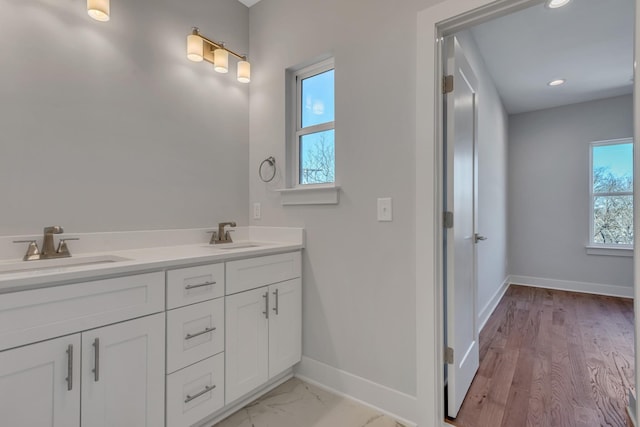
248, 3
588, 42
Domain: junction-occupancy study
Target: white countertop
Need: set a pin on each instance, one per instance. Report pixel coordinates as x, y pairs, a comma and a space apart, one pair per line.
146, 259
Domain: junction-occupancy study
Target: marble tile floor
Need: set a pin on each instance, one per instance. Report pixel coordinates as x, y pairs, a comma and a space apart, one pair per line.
298, 404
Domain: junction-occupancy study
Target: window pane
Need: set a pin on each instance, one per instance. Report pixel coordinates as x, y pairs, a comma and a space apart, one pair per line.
613, 220
613, 168
318, 99
317, 158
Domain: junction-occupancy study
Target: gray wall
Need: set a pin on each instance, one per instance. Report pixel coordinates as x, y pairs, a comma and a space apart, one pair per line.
492, 181
359, 274
107, 126
549, 191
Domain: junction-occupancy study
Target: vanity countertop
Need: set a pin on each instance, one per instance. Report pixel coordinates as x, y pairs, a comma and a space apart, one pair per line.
146, 259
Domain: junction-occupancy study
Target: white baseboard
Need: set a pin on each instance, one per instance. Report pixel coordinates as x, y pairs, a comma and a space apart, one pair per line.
488, 309
398, 405
567, 285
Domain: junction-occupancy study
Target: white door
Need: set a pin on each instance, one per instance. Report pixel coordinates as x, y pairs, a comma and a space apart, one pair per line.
40, 384
460, 276
285, 326
246, 342
123, 374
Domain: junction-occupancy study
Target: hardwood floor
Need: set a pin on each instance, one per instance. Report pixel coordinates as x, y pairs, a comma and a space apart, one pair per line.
553, 359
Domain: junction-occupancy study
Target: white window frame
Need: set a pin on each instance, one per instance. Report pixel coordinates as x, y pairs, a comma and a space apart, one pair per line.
299, 131
594, 248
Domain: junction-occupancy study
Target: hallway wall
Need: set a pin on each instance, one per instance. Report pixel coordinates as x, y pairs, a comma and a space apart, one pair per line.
549, 196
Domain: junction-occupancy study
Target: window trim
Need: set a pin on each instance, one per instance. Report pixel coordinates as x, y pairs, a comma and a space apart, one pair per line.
298, 131
594, 248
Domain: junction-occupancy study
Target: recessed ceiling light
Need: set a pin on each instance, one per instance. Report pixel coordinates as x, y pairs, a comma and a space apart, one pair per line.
554, 4
557, 82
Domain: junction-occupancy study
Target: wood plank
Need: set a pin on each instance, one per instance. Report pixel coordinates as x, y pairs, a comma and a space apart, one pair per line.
553, 358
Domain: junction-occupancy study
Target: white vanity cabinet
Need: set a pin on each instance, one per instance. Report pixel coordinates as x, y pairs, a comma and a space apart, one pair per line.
119, 368
97, 376
264, 333
176, 346
40, 384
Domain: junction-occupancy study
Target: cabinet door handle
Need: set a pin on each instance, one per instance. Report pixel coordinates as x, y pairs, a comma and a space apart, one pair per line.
266, 302
201, 285
69, 367
207, 389
197, 334
96, 359
276, 304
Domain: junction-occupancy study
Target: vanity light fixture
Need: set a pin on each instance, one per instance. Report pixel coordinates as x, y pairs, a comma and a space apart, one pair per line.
554, 4
200, 48
557, 82
98, 9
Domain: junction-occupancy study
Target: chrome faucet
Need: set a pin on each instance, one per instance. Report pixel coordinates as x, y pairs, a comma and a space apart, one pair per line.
48, 250
222, 236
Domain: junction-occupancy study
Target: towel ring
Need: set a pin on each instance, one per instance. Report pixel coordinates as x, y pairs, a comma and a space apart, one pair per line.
272, 163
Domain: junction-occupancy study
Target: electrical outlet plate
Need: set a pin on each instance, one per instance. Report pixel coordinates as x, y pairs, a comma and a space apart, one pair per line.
257, 210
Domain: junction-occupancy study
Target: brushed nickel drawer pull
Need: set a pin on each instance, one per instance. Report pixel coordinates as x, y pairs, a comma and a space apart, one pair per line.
207, 389
201, 285
96, 360
266, 301
69, 367
277, 302
197, 334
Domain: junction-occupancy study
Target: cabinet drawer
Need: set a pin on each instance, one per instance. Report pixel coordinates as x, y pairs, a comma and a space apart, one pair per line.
194, 284
252, 273
40, 314
189, 394
194, 333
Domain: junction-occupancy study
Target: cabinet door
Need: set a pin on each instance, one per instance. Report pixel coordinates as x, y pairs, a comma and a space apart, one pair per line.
246, 342
123, 374
40, 384
285, 326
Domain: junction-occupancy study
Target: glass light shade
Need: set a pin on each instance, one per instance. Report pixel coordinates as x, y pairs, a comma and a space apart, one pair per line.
98, 9
194, 47
557, 82
244, 72
554, 4
221, 60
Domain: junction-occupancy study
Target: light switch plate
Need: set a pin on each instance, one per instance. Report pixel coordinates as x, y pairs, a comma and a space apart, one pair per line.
385, 209
257, 208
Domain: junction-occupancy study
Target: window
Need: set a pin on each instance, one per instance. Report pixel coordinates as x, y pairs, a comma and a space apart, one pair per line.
612, 193
314, 125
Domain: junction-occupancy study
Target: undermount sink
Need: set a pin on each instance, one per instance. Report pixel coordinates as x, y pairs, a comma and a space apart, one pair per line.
232, 246
47, 264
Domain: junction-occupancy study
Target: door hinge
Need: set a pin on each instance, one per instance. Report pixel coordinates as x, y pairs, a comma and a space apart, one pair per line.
448, 355
447, 84
448, 219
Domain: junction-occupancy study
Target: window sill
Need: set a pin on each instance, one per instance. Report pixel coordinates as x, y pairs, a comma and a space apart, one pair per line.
313, 195
609, 251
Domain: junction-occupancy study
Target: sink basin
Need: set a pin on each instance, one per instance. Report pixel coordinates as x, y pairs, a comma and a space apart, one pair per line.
48, 264
232, 246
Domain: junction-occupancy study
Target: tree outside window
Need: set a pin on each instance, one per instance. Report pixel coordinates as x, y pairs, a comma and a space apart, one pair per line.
315, 124
612, 193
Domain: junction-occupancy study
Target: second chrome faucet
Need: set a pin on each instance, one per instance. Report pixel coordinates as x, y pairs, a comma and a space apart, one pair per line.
222, 236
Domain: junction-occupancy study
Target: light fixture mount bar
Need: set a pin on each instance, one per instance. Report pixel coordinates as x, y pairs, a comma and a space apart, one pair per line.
208, 53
